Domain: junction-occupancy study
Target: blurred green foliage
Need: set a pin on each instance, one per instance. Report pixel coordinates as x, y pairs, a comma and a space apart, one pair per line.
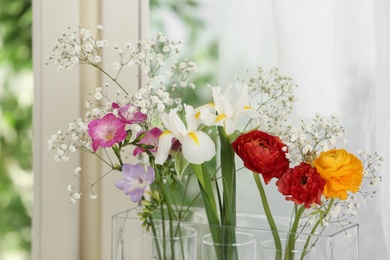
15, 129
16, 33
200, 40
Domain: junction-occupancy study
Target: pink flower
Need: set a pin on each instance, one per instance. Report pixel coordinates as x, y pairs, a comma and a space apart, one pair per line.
150, 138
107, 131
127, 116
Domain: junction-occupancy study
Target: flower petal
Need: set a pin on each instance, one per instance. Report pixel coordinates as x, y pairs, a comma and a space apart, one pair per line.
149, 175
164, 146
174, 124
106, 131
190, 118
135, 180
198, 147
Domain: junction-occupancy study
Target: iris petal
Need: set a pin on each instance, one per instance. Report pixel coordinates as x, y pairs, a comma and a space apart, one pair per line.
198, 147
164, 146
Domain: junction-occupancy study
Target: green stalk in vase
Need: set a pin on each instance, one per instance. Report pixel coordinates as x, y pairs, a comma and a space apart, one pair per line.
292, 236
210, 205
228, 211
305, 247
270, 219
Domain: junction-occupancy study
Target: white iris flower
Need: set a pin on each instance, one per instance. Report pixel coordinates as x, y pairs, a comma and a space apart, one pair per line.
227, 109
197, 146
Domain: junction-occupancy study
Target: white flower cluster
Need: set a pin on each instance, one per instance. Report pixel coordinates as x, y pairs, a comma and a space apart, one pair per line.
274, 97
312, 137
178, 75
75, 138
150, 55
180, 72
75, 195
99, 105
162, 89
77, 47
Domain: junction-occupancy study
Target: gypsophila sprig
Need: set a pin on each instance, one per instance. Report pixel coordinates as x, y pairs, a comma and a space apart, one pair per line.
77, 47
312, 136
274, 97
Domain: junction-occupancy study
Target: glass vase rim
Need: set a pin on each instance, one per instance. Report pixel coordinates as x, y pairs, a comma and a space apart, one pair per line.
252, 240
193, 233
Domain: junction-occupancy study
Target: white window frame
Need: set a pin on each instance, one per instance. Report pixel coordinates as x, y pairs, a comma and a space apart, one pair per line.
62, 230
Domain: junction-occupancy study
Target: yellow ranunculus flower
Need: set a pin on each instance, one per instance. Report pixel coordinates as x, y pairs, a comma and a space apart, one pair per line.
342, 171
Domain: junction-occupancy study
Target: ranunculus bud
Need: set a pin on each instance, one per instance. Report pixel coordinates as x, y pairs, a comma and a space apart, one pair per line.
302, 184
262, 153
342, 171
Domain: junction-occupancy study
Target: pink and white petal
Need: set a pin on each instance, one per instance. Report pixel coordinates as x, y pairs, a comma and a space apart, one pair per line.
138, 150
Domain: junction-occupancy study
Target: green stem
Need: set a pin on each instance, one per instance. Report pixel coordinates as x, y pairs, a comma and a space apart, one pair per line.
228, 214
305, 248
268, 214
163, 232
172, 234
155, 235
228, 210
210, 206
290, 244
113, 79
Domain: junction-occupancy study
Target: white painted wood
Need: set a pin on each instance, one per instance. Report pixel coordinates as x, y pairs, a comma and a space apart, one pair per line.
56, 95
62, 230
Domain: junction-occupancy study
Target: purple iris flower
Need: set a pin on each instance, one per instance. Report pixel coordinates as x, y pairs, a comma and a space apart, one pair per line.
135, 180
127, 116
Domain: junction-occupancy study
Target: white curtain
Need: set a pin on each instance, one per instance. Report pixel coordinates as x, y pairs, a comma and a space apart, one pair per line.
339, 54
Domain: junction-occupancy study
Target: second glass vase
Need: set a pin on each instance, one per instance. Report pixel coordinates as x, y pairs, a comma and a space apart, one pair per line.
243, 248
170, 241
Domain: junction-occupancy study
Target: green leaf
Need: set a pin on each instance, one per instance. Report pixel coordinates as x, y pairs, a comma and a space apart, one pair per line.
234, 136
139, 138
181, 165
228, 170
128, 137
207, 192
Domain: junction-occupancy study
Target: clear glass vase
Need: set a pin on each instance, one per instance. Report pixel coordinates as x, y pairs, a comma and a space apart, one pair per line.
269, 251
332, 243
243, 248
170, 240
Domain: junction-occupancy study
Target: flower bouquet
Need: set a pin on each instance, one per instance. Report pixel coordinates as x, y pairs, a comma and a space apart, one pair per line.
160, 146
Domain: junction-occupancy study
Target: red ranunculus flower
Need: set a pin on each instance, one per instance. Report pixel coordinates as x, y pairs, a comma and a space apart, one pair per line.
302, 184
262, 153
